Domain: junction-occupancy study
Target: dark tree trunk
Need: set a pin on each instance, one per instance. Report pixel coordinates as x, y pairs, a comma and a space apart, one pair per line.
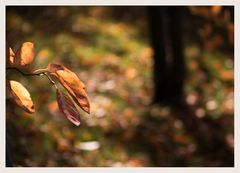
168, 72
178, 64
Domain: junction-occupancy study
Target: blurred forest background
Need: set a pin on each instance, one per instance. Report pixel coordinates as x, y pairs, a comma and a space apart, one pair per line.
120, 53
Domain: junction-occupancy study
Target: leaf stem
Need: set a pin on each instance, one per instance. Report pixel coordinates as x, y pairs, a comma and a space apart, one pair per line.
41, 71
50, 79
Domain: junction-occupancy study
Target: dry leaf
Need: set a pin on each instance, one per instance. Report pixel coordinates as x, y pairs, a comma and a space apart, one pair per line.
72, 84
68, 108
10, 56
25, 54
21, 96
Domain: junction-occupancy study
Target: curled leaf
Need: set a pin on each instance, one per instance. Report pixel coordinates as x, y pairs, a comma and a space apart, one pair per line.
10, 56
21, 96
25, 54
68, 108
72, 83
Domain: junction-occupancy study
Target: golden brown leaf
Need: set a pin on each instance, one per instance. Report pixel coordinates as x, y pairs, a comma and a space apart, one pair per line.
25, 54
68, 108
10, 56
21, 96
72, 83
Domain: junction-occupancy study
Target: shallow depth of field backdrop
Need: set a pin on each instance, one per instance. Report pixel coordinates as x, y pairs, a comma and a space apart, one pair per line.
110, 49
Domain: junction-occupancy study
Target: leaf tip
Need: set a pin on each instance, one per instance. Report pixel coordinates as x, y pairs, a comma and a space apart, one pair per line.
31, 109
87, 109
74, 120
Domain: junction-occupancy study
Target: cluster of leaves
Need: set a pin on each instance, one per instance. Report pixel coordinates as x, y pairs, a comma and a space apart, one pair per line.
69, 80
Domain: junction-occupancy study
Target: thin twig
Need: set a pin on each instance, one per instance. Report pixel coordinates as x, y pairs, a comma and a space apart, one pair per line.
25, 74
38, 72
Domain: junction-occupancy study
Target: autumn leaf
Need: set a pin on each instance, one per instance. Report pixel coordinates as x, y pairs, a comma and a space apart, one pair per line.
21, 96
72, 83
10, 56
25, 54
68, 108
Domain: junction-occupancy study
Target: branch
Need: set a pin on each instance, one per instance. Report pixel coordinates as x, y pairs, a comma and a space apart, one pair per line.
35, 73
38, 72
